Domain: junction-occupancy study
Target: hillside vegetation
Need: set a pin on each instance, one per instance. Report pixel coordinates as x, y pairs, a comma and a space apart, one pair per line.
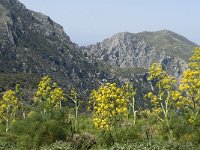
55, 120
131, 91
31, 44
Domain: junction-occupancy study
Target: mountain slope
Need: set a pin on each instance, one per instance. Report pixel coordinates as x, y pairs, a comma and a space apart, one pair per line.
137, 52
32, 45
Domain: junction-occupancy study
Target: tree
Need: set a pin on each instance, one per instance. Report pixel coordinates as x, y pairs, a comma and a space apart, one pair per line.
109, 105
8, 107
162, 95
49, 94
190, 84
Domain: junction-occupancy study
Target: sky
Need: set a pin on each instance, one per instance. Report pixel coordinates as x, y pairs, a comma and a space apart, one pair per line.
91, 21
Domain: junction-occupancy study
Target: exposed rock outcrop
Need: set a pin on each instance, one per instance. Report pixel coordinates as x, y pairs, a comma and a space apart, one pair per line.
128, 50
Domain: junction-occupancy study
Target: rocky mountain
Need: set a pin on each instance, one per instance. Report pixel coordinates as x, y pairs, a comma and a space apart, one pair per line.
32, 45
134, 53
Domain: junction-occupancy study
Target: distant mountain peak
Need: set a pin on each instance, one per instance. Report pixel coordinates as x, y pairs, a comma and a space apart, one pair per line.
140, 50
164, 33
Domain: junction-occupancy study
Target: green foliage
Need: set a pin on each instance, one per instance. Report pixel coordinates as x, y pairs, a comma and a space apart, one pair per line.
60, 145
37, 130
8, 81
25, 142
185, 132
154, 146
83, 141
7, 141
33, 50
109, 125
127, 133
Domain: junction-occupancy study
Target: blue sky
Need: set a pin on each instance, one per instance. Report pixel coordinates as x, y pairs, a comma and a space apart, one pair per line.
91, 21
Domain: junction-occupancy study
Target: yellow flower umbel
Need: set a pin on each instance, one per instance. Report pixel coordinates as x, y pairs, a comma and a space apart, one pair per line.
190, 83
109, 105
163, 90
49, 94
163, 85
8, 107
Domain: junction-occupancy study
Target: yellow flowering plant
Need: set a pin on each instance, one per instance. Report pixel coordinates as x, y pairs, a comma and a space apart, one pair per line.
190, 83
109, 104
130, 93
163, 96
9, 107
49, 94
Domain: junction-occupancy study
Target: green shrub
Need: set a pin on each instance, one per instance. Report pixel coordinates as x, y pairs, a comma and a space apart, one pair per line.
127, 134
25, 142
36, 131
7, 145
49, 132
7, 141
83, 141
154, 146
60, 145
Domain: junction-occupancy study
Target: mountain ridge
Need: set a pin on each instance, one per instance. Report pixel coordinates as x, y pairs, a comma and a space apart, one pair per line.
33, 45
140, 50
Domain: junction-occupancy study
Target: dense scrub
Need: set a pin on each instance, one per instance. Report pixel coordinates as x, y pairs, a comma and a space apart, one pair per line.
169, 120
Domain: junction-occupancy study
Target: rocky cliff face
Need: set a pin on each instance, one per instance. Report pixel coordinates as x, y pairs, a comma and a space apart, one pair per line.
128, 50
32, 44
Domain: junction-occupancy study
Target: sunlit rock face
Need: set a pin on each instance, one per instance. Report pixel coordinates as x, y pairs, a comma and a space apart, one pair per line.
129, 50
